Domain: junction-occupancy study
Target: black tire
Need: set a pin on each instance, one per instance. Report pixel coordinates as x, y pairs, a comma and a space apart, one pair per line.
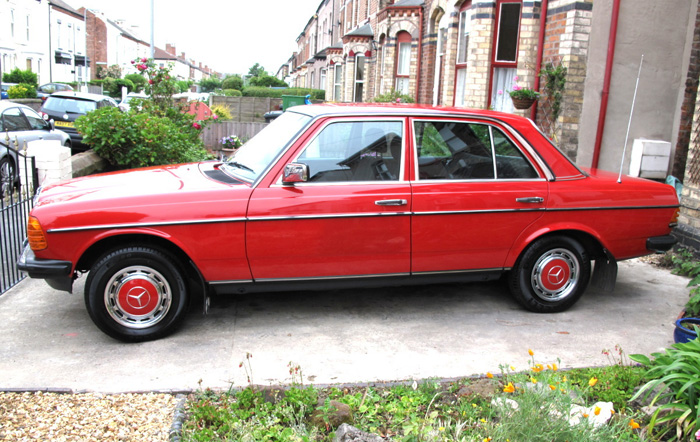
8, 176
136, 294
551, 275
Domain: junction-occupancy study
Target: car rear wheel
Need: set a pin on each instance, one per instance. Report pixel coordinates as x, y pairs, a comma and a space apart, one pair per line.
7, 176
551, 275
136, 294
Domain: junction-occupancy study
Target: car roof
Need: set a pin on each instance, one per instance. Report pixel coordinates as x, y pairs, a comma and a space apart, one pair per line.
80, 95
399, 109
8, 104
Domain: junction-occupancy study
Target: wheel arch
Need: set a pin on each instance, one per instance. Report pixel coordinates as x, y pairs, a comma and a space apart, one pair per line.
588, 240
194, 278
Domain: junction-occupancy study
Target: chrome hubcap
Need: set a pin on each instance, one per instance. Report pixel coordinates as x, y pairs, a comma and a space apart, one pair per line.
555, 275
138, 297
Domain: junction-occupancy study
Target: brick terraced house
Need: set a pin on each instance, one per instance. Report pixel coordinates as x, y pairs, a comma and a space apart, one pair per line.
471, 53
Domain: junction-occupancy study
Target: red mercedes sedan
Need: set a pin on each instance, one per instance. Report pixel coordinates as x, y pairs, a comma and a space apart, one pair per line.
332, 196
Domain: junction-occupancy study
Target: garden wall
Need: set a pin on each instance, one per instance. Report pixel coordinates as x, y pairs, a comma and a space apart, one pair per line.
216, 131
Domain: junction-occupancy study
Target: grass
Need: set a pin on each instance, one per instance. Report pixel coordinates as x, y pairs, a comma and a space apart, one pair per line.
552, 405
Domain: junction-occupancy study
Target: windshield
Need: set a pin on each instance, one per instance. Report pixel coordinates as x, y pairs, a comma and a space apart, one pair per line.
254, 157
69, 105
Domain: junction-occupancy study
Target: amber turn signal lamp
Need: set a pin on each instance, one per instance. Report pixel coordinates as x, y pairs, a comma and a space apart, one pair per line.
674, 219
35, 235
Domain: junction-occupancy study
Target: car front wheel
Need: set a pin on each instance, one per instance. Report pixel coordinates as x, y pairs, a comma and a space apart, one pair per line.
136, 294
551, 275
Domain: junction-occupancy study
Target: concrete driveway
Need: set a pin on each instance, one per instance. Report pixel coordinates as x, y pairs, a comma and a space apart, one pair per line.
47, 340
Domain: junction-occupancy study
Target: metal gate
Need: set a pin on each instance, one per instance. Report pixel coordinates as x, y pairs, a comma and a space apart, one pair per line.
18, 183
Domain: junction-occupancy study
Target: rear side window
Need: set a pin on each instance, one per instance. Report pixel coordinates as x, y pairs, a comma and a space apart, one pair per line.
13, 120
454, 150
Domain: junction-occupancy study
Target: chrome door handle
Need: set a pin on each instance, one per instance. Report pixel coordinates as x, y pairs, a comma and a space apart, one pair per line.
531, 199
391, 202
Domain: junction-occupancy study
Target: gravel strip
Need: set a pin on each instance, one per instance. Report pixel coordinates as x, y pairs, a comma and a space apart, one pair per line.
86, 417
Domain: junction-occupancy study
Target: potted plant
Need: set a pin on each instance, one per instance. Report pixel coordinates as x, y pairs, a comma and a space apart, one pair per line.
522, 97
689, 319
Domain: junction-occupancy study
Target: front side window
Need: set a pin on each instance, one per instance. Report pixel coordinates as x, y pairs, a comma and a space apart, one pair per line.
35, 121
449, 150
13, 120
355, 151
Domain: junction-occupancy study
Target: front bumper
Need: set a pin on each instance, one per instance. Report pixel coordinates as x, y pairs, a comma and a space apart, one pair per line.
56, 273
661, 244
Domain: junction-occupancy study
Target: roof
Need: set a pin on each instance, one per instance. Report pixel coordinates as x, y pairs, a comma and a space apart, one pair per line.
409, 3
63, 5
160, 54
362, 31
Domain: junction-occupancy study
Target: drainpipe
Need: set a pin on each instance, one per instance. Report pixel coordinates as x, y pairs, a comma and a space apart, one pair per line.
540, 54
606, 83
420, 47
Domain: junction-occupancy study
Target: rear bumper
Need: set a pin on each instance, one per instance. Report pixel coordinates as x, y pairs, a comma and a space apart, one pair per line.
661, 244
56, 273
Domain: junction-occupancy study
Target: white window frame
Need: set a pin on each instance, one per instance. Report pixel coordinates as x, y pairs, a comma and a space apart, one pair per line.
338, 82
359, 71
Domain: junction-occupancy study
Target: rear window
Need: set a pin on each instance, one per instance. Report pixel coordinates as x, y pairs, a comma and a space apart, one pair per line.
69, 105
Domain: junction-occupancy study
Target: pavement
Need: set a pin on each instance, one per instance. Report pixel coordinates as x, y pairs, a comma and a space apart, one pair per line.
47, 340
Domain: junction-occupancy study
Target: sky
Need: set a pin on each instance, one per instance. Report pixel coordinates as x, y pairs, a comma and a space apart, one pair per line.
229, 36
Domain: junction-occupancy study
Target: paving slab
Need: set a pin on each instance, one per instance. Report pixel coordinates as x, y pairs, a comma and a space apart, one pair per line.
47, 340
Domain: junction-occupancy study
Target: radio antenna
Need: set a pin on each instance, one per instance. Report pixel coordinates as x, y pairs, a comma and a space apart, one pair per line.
629, 123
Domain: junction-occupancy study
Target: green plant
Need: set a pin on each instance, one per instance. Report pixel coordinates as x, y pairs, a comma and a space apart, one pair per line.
232, 93
183, 85
393, 96
255, 91
232, 82
138, 81
113, 71
22, 90
554, 83
523, 93
20, 77
685, 264
113, 86
267, 81
676, 379
210, 84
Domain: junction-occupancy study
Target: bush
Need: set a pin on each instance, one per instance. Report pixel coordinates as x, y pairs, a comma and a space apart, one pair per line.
139, 139
22, 90
255, 91
232, 82
222, 111
138, 80
232, 93
183, 85
393, 97
267, 81
210, 84
21, 77
113, 86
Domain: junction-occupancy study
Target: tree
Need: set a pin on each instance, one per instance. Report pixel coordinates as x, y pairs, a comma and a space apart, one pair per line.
267, 81
138, 80
233, 82
210, 84
19, 76
256, 70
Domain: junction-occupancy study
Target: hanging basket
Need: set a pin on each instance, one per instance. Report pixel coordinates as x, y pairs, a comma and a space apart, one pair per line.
523, 103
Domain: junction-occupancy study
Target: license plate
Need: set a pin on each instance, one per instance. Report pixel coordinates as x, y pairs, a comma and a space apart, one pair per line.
64, 124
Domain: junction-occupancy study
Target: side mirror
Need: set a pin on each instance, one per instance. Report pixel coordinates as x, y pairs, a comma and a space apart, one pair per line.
295, 173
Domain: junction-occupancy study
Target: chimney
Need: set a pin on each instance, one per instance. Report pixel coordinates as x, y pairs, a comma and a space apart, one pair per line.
170, 49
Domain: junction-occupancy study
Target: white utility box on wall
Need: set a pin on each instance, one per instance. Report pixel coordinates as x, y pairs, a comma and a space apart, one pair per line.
650, 158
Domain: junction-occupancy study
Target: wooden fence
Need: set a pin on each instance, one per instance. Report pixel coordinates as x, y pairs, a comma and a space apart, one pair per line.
247, 109
213, 133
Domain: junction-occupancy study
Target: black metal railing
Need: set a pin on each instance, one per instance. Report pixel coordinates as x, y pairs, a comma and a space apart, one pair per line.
18, 185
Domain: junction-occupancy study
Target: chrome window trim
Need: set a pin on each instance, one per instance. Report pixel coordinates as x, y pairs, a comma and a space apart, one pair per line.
367, 118
326, 216
509, 132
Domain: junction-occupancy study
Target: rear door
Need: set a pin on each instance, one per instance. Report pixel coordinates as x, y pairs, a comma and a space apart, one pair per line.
474, 191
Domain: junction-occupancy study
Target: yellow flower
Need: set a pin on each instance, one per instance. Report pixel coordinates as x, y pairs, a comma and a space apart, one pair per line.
612, 411
537, 368
487, 439
473, 405
634, 425
510, 388
489, 375
552, 387
483, 421
592, 381
533, 380
596, 410
554, 367
585, 415
512, 368
530, 352
441, 429
564, 380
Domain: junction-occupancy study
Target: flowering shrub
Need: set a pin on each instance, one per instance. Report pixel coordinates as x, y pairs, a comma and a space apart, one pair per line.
154, 133
522, 92
231, 142
22, 90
